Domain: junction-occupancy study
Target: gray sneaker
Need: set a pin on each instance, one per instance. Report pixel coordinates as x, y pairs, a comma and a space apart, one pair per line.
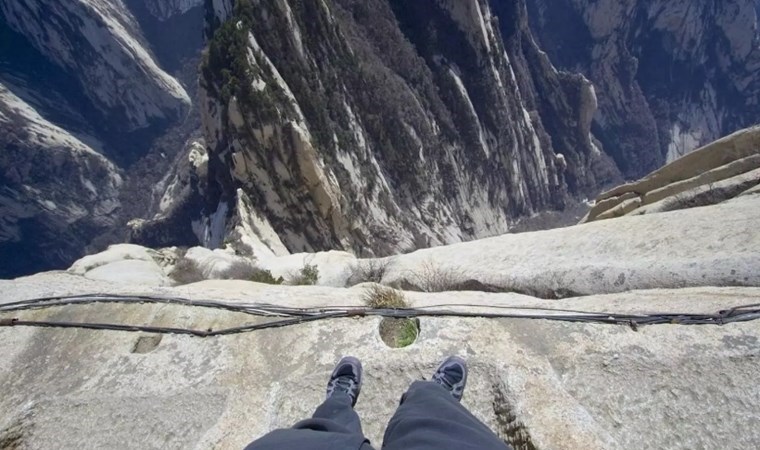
452, 375
346, 378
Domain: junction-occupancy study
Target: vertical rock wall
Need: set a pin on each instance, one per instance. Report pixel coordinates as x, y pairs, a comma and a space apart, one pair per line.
380, 126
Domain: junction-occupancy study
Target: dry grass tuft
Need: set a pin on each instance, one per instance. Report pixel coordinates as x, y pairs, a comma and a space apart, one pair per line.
434, 278
382, 297
368, 271
307, 276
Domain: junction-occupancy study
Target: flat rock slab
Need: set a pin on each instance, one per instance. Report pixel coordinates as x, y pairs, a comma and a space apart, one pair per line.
712, 246
543, 384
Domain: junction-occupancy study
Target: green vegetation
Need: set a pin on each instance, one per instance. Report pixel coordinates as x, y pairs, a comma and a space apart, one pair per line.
408, 333
307, 276
368, 271
432, 277
228, 72
396, 333
265, 276
399, 333
186, 271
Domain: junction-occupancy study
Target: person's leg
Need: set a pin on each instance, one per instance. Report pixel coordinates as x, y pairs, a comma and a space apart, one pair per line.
431, 417
334, 425
337, 410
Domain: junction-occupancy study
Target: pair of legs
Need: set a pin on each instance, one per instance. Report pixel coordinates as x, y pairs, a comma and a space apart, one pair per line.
430, 417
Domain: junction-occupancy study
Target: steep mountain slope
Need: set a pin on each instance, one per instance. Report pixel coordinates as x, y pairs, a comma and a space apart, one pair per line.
83, 97
372, 126
671, 75
100, 43
385, 125
55, 190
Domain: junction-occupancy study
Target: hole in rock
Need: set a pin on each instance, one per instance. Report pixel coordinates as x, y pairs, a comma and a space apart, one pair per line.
146, 344
398, 333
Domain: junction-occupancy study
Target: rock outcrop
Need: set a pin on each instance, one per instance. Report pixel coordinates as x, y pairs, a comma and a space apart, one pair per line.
538, 384
385, 125
55, 190
725, 169
175, 199
368, 158
85, 96
106, 53
370, 127
670, 75
697, 247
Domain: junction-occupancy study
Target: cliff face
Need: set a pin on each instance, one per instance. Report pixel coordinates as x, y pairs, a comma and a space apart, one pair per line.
375, 126
380, 126
101, 43
671, 75
55, 190
85, 92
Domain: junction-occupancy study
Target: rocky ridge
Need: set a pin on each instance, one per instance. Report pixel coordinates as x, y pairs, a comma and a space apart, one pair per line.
284, 126
165, 9
38, 157
405, 146
543, 378
107, 54
720, 171
539, 383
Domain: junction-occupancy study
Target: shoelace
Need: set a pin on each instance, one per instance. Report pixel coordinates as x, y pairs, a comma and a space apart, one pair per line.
344, 383
441, 378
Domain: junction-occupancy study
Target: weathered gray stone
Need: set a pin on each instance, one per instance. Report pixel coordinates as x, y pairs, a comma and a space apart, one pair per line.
101, 43
711, 246
730, 170
621, 209
670, 75
731, 160
753, 191
123, 263
705, 194
558, 385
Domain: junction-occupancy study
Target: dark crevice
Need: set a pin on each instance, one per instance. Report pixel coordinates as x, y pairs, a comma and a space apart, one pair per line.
510, 427
12, 437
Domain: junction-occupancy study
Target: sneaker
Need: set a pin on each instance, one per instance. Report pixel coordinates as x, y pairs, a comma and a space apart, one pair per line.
452, 375
346, 378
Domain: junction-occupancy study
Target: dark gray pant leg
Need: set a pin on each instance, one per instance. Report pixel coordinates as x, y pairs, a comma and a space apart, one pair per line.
334, 426
338, 410
429, 418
